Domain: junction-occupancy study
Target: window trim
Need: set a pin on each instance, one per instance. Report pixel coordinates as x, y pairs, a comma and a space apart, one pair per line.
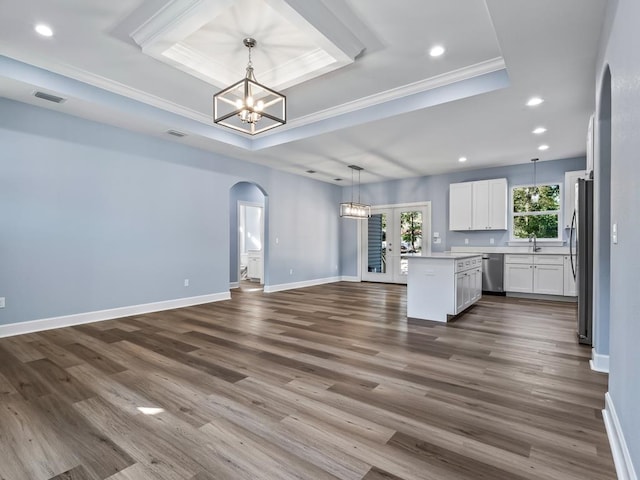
513, 214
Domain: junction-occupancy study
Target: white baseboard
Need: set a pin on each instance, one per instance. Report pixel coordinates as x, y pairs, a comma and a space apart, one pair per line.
346, 278
599, 362
100, 315
306, 283
233, 285
619, 449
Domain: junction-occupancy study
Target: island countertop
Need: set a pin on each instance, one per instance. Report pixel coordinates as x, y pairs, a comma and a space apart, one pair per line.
445, 255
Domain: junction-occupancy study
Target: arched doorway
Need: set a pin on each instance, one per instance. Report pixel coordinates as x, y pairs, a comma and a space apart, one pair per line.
602, 228
248, 233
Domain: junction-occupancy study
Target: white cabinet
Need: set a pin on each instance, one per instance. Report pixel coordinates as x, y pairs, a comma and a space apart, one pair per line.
478, 205
462, 292
569, 282
254, 264
441, 285
543, 274
570, 180
548, 279
468, 284
460, 202
518, 277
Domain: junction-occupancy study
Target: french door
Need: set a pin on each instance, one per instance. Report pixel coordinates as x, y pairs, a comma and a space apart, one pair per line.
389, 236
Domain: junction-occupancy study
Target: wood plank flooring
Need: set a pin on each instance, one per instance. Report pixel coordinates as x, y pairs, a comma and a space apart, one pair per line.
319, 383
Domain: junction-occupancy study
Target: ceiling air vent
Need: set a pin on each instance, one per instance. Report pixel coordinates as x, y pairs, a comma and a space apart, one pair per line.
176, 133
49, 97
311, 171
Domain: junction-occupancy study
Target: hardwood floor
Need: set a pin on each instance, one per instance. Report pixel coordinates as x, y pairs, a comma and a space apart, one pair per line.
317, 383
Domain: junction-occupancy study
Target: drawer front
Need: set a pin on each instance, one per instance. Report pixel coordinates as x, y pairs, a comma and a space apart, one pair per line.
512, 258
468, 263
549, 260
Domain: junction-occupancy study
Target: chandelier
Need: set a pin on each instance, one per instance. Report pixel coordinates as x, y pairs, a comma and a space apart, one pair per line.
353, 209
247, 106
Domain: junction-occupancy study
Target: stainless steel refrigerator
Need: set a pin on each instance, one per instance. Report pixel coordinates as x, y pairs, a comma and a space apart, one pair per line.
582, 225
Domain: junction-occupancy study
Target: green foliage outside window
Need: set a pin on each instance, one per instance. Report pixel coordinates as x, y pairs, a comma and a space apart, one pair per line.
539, 217
411, 229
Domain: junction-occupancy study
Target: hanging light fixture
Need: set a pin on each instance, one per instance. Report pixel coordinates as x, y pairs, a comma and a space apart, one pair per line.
535, 196
355, 209
247, 106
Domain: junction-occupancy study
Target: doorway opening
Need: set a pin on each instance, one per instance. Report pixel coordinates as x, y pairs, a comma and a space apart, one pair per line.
390, 236
247, 214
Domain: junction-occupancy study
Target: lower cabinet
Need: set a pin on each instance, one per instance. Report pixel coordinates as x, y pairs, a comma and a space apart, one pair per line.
542, 274
569, 282
548, 279
442, 285
468, 288
518, 277
254, 267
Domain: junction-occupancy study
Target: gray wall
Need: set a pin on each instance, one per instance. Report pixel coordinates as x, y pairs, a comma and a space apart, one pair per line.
95, 217
621, 53
436, 190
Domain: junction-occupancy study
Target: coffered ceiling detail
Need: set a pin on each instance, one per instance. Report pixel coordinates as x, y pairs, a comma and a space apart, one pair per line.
360, 83
204, 39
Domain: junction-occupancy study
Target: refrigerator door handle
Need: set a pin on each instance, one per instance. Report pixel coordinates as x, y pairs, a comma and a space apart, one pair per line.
573, 225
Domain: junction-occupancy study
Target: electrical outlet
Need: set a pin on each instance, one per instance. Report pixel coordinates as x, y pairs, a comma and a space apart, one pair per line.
466, 241
186, 282
277, 240
2, 304
291, 271
492, 241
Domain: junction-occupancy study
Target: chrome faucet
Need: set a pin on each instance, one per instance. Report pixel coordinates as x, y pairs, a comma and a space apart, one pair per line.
533, 237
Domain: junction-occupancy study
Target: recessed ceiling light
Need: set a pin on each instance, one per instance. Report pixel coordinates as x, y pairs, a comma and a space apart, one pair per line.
44, 30
534, 101
543, 147
539, 130
337, 179
462, 159
311, 171
436, 50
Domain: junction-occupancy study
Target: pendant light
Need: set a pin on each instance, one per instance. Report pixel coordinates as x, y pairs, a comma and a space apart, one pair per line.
353, 209
535, 196
248, 106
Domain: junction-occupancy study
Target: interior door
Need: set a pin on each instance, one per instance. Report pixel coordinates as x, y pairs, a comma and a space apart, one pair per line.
390, 236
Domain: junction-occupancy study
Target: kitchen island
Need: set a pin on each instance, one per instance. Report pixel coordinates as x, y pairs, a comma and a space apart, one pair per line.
442, 285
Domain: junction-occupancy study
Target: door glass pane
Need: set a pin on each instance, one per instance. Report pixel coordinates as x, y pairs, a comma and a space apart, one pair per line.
410, 236
377, 247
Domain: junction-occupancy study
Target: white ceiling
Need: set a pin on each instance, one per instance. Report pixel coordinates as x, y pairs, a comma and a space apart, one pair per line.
360, 84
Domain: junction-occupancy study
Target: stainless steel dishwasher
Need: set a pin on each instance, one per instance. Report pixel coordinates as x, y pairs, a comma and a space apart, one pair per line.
493, 273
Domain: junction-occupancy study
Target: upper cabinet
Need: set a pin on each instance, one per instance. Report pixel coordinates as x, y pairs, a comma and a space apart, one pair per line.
570, 180
460, 202
478, 205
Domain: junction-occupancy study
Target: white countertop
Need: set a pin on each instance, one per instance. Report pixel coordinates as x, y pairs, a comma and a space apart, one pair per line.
445, 255
507, 249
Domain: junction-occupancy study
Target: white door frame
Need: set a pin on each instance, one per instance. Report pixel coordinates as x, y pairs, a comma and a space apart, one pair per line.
426, 237
243, 203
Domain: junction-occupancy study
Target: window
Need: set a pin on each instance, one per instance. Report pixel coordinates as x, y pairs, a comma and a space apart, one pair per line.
536, 211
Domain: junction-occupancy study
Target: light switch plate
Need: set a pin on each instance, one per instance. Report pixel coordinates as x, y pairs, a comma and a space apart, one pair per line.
2, 302
614, 233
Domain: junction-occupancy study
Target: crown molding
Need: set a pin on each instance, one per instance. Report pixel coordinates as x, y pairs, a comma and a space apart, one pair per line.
466, 73
283, 134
